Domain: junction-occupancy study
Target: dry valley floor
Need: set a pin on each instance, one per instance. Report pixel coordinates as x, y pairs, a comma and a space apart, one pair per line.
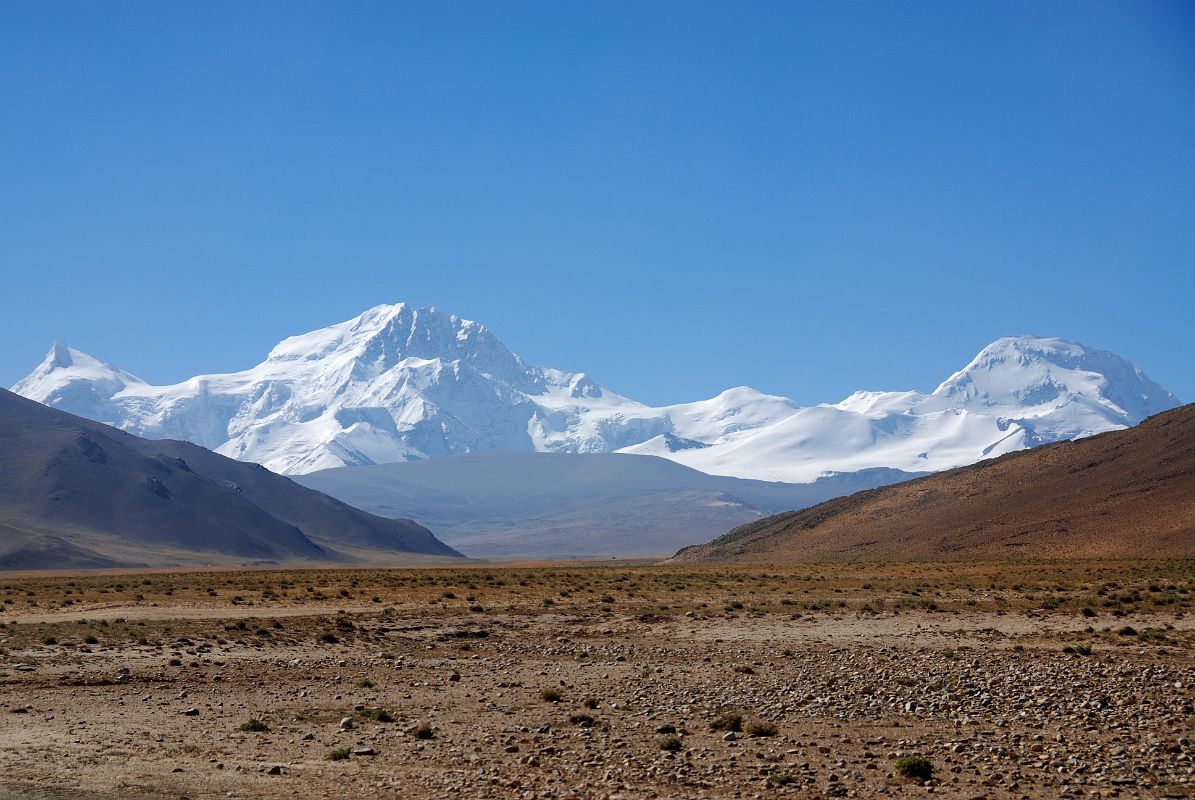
1039, 680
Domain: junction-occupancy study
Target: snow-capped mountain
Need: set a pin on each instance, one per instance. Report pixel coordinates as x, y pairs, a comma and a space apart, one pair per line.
1018, 392
399, 383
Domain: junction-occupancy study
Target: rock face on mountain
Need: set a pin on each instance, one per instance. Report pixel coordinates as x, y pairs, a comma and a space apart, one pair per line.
514, 504
399, 383
76, 493
1128, 493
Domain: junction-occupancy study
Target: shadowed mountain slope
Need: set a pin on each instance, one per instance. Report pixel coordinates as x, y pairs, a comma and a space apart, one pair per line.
508, 504
1128, 493
76, 493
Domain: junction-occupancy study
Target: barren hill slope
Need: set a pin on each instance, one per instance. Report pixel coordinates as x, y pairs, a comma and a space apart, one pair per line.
1127, 493
76, 493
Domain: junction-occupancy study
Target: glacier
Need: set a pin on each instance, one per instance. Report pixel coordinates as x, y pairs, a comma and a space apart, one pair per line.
399, 383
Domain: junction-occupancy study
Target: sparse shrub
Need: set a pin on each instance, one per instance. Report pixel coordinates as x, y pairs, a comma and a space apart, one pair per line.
550, 695
91, 640
329, 638
761, 729
377, 715
365, 683
670, 743
339, 754
49, 640
424, 731
254, 726
1127, 630
781, 780
584, 720
915, 768
730, 721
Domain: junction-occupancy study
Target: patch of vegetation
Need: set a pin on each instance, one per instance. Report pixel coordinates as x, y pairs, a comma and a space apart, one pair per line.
670, 744
254, 726
377, 715
917, 768
339, 754
761, 729
424, 731
550, 695
730, 721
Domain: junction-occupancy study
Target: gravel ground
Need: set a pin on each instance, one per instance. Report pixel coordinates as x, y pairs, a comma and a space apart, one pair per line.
525, 698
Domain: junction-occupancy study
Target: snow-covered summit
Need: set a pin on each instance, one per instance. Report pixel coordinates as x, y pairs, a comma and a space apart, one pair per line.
1016, 372
71, 379
397, 383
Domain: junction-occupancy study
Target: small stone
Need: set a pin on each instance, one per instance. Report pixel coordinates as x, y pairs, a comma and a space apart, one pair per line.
347, 724
363, 751
191, 712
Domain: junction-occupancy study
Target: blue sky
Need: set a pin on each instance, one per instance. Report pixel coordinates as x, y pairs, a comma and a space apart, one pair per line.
809, 198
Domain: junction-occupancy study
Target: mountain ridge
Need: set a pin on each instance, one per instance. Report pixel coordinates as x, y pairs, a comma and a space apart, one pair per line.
1127, 493
79, 493
398, 383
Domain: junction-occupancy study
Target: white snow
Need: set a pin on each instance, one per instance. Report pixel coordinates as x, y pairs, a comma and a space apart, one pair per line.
400, 383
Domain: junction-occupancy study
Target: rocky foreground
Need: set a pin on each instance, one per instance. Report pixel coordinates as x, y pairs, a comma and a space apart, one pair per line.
1036, 681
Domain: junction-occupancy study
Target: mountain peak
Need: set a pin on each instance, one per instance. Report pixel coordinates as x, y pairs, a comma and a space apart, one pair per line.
385, 335
1026, 371
77, 366
59, 356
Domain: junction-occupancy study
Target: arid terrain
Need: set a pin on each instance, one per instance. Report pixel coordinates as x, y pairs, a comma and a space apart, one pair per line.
1071, 500
1037, 680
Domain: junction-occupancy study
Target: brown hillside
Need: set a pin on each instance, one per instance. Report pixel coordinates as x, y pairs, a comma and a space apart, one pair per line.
1127, 493
79, 494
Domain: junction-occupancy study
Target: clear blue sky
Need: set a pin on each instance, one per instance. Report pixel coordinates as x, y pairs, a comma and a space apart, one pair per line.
809, 198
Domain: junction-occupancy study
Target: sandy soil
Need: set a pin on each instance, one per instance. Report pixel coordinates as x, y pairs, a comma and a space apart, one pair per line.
571, 682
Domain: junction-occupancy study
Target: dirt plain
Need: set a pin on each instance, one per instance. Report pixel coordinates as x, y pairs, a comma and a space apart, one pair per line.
1037, 680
